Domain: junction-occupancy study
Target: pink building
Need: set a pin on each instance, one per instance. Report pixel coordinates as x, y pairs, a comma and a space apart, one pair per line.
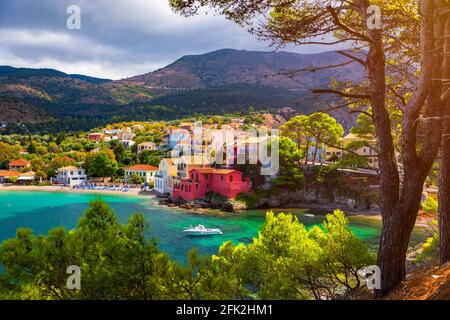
203, 180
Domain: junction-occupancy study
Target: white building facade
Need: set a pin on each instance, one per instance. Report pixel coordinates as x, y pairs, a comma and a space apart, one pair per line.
71, 176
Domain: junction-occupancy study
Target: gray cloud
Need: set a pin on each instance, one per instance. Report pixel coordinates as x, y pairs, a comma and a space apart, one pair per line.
118, 38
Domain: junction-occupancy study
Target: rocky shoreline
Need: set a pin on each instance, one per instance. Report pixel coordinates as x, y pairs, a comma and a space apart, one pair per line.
202, 204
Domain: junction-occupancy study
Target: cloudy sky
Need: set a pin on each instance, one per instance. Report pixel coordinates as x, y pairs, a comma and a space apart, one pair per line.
118, 38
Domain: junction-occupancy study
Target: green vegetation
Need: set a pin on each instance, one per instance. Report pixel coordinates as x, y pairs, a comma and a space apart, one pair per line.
430, 205
285, 261
313, 132
430, 249
289, 174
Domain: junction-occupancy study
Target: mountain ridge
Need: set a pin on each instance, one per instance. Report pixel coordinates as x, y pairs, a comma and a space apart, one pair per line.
221, 81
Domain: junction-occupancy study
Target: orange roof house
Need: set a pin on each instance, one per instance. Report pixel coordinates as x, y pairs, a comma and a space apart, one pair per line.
18, 164
6, 175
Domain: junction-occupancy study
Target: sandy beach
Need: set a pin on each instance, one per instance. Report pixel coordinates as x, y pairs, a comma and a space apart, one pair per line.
131, 192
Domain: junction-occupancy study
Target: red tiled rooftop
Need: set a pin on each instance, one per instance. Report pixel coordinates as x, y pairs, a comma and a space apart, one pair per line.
6, 173
19, 162
213, 170
142, 167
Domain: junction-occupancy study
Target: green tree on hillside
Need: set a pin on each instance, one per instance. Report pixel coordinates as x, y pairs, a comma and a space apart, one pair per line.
325, 130
289, 174
100, 165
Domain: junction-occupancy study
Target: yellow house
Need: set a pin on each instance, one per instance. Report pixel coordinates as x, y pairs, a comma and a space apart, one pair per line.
365, 151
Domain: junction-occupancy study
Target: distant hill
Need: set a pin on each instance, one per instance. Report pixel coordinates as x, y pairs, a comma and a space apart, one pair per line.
218, 82
228, 66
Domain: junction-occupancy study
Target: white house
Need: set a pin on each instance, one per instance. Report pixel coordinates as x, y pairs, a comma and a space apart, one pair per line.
186, 163
71, 176
147, 172
127, 143
164, 178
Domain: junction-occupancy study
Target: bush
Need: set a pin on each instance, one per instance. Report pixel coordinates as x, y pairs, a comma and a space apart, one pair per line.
135, 179
216, 199
430, 249
430, 205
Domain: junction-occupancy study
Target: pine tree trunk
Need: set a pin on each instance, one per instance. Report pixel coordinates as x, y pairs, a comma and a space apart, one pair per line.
315, 154
307, 151
444, 198
396, 232
444, 162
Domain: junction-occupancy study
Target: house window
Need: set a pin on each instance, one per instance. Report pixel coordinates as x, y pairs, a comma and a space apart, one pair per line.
221, 178
196, 186
231, 178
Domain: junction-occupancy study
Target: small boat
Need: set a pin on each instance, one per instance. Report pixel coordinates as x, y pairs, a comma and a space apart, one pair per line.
309, 215
201, 230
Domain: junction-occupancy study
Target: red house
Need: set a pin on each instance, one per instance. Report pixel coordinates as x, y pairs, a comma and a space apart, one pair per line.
97, 137
203, 180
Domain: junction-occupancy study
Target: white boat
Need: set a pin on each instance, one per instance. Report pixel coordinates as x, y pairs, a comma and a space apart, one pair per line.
201, 230
309, 215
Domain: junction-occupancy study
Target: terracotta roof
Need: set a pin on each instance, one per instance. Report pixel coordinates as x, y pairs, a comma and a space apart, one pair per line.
65, 158
69, 168
213, 170
6, 173
19, 162
142, 167
28, 174
202, 170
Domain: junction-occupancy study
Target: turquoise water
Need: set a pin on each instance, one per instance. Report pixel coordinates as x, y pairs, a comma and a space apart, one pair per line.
42, 211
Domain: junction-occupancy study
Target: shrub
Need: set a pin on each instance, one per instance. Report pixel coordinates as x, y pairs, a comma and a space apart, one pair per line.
430, 205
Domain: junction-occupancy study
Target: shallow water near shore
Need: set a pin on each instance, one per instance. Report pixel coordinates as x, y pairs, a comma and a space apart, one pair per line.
42, 211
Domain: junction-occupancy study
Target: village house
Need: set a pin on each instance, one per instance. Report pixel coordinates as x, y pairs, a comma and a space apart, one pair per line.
125, 134
8, 176
186, 163
145, 171
23, 152
364, 151
70, 176
112, 132
200, 181
145, 146
137, 128
17, 165
164, 178
97, 136
127, 143
176, 136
